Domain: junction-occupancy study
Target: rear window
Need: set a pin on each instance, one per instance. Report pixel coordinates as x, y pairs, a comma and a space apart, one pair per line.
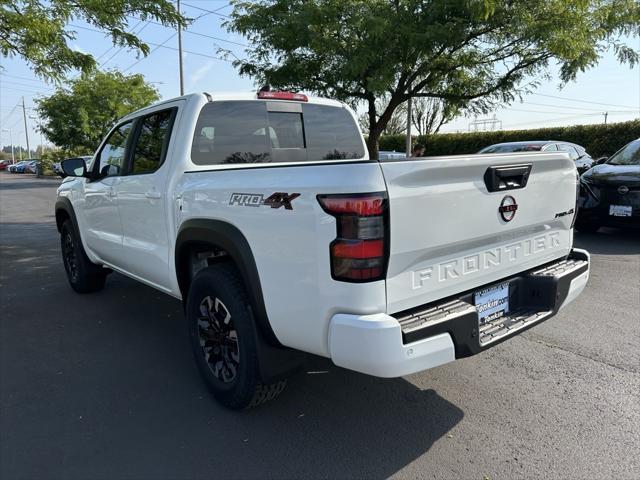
262, 132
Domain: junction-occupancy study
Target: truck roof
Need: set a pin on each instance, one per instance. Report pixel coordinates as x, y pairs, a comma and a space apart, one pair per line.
220, 96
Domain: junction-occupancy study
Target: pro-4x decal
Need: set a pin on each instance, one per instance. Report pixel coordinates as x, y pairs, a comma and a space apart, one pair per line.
275, 200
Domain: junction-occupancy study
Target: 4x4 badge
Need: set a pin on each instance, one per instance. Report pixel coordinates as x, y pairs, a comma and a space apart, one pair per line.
508, 208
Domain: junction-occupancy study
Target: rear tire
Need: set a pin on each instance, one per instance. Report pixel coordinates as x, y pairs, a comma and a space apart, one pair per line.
83, 275
223, 339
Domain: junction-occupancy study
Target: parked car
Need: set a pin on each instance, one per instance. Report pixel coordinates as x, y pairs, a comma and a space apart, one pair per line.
391, 155
32, 166
57, 168
28, 166
4, 164
577, 153
264, 214
14, 168
610, 192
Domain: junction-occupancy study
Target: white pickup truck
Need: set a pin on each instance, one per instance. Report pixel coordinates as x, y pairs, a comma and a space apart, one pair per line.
265, 215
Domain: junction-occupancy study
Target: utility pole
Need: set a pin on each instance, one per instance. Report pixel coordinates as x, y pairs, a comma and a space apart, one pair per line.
606, 114
41, 137
26, 130
13, 156
408, 146
180, 54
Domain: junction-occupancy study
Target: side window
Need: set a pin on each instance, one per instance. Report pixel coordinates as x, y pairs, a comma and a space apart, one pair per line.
552, 147
232, 132
152, 142
110, 160
331, 133
570, 150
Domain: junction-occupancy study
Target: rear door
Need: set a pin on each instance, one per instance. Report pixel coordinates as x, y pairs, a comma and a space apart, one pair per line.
142, 198
457, 223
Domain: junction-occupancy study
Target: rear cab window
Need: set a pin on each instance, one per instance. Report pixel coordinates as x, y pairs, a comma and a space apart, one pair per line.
250, 131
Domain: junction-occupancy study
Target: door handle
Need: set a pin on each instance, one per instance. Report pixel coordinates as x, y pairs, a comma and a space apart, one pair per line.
153, 194
112, 193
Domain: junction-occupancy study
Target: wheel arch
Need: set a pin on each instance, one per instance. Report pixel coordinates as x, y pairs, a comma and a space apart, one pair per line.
64, 211
222, 235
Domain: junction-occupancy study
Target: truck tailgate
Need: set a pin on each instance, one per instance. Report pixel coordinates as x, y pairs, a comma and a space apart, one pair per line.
449, 232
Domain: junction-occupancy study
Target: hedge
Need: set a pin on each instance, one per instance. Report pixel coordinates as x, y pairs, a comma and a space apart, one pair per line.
599, 140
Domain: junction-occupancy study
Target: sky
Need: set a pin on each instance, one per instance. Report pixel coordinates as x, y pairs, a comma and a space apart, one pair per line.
609, 87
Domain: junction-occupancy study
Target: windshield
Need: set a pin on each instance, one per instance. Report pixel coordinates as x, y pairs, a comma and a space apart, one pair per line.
516, 147
628, 155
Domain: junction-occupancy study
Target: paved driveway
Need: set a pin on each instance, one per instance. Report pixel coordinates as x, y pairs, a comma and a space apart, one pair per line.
103, 386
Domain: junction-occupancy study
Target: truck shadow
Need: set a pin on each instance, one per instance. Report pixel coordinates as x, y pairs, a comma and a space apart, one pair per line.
610, 241
104, 386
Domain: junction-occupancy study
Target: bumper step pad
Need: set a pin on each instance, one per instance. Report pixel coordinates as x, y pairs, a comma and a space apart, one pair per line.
534, 296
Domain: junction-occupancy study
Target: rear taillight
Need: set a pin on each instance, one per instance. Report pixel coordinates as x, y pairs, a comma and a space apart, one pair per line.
360, 251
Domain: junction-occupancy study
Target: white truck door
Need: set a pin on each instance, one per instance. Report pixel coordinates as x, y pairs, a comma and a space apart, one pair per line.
103, 234
142, 198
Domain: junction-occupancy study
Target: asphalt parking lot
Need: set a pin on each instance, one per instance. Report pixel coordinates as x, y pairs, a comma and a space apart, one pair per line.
103, 386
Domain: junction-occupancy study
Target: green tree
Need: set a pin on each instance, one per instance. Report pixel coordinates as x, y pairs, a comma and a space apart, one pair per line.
475, 54
79, 116
38, 30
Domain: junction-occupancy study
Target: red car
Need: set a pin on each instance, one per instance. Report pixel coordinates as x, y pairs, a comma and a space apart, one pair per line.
4, 164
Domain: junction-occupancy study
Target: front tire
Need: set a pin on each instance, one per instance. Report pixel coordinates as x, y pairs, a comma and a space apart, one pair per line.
223, 339
83, 275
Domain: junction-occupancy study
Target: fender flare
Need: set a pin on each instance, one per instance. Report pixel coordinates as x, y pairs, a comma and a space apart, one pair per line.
231, 240
64, 204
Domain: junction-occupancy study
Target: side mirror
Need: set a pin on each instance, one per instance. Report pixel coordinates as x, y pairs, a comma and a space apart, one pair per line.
601, 160
74, 167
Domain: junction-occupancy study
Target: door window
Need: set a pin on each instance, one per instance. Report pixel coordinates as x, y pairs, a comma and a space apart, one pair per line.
573, 154
151, 146
110, 160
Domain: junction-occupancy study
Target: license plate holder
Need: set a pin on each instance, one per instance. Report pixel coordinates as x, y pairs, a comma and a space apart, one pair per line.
620, 210
492, 302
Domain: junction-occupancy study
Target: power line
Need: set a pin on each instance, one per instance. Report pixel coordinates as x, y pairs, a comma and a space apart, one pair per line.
10, 113
159, 45
36, 87
215, 12
113, 46
24, 78
202, 34
149, 54
32, 92
581, 101
565, 117
122, 48
509, 109
569, 107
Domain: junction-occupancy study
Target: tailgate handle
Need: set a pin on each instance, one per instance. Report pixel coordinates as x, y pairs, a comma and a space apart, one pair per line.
507, 177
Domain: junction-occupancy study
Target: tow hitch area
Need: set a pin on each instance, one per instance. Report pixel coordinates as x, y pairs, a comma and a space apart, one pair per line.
488, 315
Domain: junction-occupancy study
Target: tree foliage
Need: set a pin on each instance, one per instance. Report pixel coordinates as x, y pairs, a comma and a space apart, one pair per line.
475, 54
79, 116
38, 30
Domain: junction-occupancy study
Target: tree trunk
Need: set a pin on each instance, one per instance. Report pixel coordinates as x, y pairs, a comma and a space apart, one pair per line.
374, 130
372, 144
